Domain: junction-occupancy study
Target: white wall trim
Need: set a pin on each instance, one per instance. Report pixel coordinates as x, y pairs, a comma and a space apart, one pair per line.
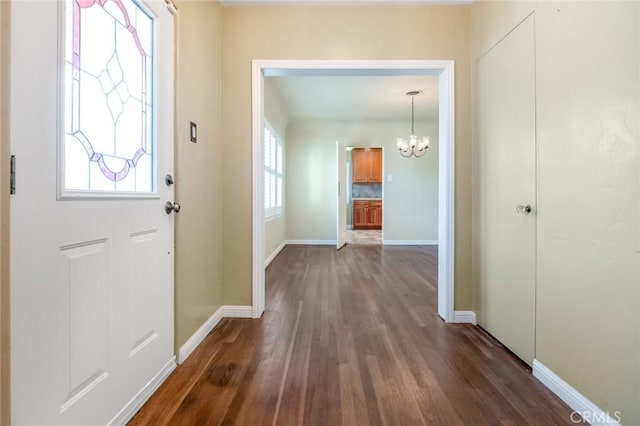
257, 166
197, 337
465, 317
311, 242
444, 69
410, 242
349, 227
235, 311
589, 411
275, 253
224, 311
145, 393
446, 192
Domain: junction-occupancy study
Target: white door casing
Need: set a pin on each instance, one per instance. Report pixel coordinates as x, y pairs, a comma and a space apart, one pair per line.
341, 167
91, 277
445, 70
507, 178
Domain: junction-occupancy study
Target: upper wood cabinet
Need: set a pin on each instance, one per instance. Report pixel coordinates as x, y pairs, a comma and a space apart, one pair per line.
367, 165
375, 165
360, 165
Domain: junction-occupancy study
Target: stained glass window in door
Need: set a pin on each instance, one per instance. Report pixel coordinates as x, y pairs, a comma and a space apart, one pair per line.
109, 133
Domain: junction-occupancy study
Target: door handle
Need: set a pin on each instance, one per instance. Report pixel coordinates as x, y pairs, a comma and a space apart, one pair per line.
170, 207
524, 208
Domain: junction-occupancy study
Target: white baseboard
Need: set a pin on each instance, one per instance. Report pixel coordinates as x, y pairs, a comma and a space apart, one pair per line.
589, 411
224, 311
145, 393
410, 242
236, 311
464, 317
199, 335
273, 255
311, 242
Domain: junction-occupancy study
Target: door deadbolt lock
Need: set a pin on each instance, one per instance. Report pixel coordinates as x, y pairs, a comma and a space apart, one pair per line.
170, 207
168, 179
523, 208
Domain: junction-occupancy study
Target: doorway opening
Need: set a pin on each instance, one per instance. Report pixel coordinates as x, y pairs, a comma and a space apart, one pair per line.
365, 193
444, 71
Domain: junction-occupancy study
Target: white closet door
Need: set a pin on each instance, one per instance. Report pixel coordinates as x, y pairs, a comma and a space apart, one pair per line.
506, 149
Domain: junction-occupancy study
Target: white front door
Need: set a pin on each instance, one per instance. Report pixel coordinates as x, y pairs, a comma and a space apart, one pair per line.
507, 179
91, 245
341, 156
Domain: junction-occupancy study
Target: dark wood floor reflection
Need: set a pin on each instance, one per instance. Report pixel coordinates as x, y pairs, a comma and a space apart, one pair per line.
351, 337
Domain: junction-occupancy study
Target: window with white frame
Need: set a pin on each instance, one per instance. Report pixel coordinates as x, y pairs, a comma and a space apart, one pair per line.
272, 172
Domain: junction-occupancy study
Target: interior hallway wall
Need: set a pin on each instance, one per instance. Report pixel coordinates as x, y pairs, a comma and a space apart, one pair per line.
198, 167
588, 233
334, 32
410, 206
276, 114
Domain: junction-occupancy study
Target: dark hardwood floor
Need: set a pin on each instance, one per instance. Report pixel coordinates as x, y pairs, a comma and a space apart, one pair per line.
351, 337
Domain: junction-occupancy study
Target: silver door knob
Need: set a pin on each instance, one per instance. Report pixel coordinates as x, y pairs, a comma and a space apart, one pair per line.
523, 208
170, 207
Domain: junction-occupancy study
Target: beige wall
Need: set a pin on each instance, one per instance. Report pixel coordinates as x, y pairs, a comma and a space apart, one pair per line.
4, 214
333, 32
587, 91
410, 210
198, 167
276, 114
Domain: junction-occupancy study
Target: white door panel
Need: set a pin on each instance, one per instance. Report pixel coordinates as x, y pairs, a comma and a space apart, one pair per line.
341, 158
507, 176
91, 278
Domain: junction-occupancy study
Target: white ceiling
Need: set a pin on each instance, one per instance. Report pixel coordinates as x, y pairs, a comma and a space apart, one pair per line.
355, 98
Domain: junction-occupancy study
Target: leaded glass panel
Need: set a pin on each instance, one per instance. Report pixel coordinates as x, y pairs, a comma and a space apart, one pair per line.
109, 136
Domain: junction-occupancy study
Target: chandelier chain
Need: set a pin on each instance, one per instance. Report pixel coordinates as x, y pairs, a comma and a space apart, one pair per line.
412, 99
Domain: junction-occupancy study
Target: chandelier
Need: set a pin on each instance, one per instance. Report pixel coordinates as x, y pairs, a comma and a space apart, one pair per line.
415, 146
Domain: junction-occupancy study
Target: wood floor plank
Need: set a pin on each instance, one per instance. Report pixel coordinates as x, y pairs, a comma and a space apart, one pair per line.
351, 337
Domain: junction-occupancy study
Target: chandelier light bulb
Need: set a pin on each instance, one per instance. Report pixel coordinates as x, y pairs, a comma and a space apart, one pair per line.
423, 144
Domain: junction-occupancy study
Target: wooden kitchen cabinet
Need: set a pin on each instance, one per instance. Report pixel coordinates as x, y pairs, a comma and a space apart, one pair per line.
367, 165
360, 213
360, 160
375, 214
367, 214
372, 216
375, 165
